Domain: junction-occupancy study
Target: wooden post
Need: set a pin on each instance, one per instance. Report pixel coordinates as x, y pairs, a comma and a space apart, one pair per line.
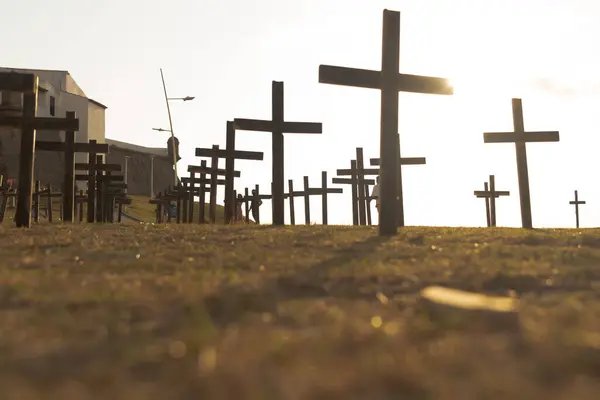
520, 137
576, 203
291, 199
49, 204
360, 166
36, 202
81, 207
214, 165
91, 189
306, 201
390, 82
277, 126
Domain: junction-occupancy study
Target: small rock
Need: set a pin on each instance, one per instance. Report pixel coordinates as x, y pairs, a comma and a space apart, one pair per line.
454, 308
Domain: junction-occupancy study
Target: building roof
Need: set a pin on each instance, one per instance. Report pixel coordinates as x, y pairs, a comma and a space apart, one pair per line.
157, 151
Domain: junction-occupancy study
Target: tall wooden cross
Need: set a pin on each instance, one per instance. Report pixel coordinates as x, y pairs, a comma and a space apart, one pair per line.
359, 173
28, 122
390, 82
277, 126
519, 137
576, 203
490, 195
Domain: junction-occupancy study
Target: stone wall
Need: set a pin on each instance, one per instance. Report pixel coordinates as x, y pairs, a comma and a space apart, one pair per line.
138, 175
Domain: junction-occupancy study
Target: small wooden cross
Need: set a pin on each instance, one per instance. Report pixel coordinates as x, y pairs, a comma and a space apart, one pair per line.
389, 81
324, 191
277, 126
490, 197
353, 181
576, 203
519, 137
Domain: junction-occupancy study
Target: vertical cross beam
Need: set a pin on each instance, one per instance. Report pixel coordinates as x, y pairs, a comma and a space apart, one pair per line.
68, 205
291, 198
26, 161
306, 201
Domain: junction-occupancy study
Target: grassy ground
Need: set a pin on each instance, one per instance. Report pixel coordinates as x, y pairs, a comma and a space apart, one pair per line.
254, 312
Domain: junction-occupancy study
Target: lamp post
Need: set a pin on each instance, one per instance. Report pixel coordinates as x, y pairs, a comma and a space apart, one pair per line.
167, 99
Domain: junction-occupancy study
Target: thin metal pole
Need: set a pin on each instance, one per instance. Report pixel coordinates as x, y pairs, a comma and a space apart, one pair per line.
170, 127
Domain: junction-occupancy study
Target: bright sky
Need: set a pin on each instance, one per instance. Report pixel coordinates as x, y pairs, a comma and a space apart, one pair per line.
227, 52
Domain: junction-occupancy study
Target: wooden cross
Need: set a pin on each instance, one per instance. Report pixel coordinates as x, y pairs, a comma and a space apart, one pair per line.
28, 123
306, 193
401, 161
277, 126
358, 174
230, 155
353, 181
490, 197
576, 203
323, 191
390, 82
519, 137
69, 147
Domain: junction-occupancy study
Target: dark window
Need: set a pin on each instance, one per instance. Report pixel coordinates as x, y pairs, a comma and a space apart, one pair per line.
52, 106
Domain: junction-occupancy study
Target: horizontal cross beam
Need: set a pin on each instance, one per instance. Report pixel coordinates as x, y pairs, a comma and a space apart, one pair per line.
237, 154
99, 148
520, 137
484, 194
364, 171
349, 181
40, 123
369, 79
258, 125
403, 161
577, 202
207, 170
17, 82
322, 191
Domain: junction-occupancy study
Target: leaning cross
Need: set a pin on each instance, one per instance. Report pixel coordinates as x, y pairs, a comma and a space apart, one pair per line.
576, 203
277, 126
519, 137
390, 82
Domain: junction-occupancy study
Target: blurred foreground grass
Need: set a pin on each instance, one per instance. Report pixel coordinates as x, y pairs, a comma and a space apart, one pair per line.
138, 311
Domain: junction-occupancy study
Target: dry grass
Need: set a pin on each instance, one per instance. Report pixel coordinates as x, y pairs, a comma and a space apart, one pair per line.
254, 312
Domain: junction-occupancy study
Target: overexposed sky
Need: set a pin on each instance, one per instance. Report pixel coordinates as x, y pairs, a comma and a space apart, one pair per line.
227, 52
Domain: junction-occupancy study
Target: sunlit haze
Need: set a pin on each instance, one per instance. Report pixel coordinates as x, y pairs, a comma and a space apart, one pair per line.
227, 52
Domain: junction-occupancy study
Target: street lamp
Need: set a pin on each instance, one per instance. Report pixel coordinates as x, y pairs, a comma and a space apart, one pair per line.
167, 99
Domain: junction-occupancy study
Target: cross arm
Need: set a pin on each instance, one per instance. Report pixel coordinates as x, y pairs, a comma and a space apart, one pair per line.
41, 123
403, 161
424, 84
323, 191
514, 137
256, 125
238, 154
363, 78
340, 181
365, 171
